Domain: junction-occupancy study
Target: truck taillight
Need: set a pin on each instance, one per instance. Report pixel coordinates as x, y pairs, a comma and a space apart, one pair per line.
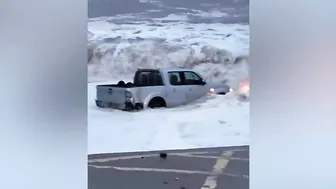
128, 94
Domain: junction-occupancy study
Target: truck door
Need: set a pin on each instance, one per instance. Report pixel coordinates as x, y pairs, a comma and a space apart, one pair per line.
192, 82
176, 91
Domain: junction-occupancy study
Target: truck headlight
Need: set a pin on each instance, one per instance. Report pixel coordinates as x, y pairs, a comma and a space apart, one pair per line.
212, 91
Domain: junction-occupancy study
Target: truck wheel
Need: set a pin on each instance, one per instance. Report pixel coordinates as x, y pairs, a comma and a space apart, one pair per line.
138, 106
121, 84
129, 84
157, 102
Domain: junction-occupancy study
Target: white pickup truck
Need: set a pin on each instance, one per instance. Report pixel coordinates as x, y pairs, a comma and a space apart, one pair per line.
156, 88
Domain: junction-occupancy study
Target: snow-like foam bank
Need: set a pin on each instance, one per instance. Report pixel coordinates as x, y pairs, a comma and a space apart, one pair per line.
209, 122
219, 52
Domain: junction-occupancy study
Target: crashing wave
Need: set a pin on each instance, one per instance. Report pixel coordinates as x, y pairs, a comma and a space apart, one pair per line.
117, 58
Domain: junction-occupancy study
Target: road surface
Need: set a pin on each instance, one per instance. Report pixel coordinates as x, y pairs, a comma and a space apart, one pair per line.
207, 168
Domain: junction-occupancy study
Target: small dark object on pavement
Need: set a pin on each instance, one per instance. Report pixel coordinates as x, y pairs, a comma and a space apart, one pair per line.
165, 182
183, 188
163, 155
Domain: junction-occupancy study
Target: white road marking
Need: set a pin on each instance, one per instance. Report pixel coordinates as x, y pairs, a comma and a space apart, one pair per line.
221, 163
213, 157
101, 166
141, 169
102, 160
185, 154
197, 156
240, 159
162, 170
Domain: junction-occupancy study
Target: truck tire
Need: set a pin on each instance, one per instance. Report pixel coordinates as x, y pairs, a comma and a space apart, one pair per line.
138, 106
121, 83
157, 102
129, 84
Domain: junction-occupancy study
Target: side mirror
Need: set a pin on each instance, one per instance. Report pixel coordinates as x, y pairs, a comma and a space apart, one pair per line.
202, 82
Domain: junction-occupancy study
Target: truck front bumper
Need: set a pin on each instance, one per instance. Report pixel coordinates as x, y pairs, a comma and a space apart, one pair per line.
127, 106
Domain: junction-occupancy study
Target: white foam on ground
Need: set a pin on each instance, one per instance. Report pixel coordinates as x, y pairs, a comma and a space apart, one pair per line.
221, 121
117, 50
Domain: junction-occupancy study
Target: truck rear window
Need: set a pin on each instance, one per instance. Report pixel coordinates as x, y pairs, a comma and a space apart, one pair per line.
175, 78
148, 78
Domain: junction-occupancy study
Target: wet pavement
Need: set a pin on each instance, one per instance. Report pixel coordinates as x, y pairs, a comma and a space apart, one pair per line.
206, 168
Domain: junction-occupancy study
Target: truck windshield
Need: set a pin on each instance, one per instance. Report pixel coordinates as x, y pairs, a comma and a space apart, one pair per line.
148, 78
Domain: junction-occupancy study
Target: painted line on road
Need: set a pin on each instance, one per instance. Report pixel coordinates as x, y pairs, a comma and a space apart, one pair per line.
141, 169
101, 166
213, 157
239, 159
103, 160
162, 170
221, 163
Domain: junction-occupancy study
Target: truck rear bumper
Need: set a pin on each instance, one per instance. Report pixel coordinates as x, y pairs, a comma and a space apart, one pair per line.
127, 106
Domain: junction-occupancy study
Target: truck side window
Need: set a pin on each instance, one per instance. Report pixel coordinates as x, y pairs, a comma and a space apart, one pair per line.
174, 78
191, 78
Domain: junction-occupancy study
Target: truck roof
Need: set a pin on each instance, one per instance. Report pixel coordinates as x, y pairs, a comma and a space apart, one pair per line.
174, 69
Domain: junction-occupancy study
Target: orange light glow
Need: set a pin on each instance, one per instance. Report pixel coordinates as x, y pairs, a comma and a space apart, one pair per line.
244, 86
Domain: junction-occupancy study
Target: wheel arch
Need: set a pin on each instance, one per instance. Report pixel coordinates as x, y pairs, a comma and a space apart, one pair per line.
154, 96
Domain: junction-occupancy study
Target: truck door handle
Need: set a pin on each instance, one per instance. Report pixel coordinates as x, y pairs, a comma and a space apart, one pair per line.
174, 90
190, 89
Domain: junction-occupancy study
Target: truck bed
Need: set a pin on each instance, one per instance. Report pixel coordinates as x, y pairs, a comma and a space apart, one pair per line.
117, 86
129, 85
122, 86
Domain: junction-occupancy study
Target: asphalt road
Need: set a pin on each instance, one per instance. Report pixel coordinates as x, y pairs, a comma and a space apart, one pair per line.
206, 168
